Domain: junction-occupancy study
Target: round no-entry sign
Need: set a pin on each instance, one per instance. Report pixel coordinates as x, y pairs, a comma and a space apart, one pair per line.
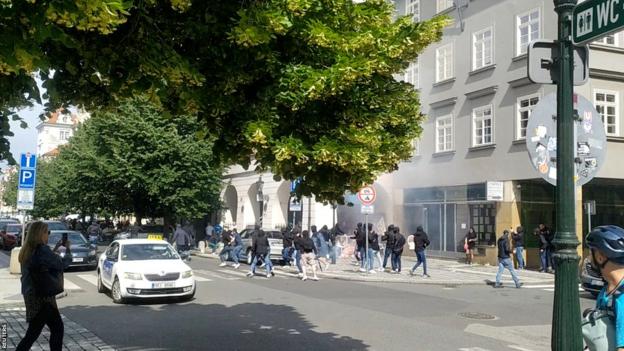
367, 195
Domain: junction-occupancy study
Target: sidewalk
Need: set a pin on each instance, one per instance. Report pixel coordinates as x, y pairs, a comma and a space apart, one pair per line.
442, 272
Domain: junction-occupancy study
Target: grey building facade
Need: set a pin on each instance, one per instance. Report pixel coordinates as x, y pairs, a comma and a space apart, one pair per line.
470, 166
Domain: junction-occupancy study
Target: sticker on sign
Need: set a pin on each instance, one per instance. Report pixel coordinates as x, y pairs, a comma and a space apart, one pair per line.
367, 195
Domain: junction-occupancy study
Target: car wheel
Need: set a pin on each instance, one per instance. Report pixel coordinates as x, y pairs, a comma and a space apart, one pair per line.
116, 292
249, 257
100, 286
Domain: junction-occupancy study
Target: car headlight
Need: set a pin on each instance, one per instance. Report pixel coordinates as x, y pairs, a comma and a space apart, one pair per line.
133, 276
187, 274
92, 253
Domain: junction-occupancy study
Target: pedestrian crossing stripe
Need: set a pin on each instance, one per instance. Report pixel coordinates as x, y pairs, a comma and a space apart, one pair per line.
201, 279
90, 278
68, 285
213, 275
236, 273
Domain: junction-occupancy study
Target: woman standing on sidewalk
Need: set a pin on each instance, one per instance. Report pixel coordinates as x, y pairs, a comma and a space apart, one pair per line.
42, 280
470, 241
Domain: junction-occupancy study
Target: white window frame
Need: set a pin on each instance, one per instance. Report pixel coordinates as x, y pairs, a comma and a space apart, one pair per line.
442, 5
412, 7
603, 41
475, 64
606, 104
416, 145
64, 135
448, 137
521, 48
447, 61
519, 111
478, 122
412, 74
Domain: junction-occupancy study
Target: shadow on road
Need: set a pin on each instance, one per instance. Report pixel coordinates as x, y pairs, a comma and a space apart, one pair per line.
190, 326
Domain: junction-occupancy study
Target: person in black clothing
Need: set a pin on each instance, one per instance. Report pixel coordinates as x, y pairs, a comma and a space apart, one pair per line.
298, 243
504, 260
470, 242
287, 242
388, 237
335, 248
397, 250
544, 247
260, 248
518, 243
421, 241
309, 255
360, 241
550, 236
373, 251
226, 238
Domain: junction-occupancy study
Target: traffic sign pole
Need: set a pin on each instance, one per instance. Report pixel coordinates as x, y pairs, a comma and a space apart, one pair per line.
566, 325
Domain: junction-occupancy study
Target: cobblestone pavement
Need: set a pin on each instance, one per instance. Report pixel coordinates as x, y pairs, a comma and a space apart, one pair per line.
76, 338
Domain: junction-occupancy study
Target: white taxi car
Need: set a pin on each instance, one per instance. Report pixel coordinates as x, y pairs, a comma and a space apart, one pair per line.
143, 268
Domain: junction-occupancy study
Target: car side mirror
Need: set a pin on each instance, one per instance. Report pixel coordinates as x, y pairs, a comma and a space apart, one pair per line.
111, 258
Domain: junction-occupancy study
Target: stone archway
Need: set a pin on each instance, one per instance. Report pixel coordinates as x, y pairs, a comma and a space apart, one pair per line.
280, 214
254, 212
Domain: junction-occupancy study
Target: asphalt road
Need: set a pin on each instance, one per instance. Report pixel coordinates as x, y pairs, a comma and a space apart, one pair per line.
231, 312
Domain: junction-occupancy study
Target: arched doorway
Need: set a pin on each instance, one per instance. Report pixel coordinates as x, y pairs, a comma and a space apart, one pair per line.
230, 211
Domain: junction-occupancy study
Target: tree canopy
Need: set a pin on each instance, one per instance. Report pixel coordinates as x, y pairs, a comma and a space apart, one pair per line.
304, 87
130, 160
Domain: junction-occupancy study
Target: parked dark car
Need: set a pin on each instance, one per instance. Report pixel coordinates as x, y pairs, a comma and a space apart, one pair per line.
591, 281
83, 253
11, 236
6, 242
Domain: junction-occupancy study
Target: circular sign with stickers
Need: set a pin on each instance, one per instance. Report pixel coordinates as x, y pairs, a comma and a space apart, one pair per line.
590, 140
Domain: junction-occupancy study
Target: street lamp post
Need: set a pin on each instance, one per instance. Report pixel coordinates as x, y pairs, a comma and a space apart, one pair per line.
566, 322
260, 198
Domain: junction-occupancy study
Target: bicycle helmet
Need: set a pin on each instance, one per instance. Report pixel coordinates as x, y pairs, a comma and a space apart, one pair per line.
608, 239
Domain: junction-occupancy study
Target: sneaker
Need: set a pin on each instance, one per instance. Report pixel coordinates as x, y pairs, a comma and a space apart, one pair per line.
304, 278
249, 274
268, 275
372, 271
272, 274
223, 264
498, 286
426, 276
326, 267
411, 273
519, 285
315, 279
381, 270
300, 275
363, 270
236, 266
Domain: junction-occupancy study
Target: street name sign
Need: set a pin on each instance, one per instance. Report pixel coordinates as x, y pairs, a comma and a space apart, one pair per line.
367, 195
590, 140
594, 19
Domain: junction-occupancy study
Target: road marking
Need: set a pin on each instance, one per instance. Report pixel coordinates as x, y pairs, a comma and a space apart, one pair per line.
214, 275
199, 278
473, 349
88, 277
538, 286
68, 285
236, 273
553, 289
519, 348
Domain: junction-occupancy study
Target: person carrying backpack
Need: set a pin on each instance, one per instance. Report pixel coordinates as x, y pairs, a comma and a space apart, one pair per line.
421, 241
606, 245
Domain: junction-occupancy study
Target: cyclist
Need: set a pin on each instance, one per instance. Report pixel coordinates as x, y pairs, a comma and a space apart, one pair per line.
606, 245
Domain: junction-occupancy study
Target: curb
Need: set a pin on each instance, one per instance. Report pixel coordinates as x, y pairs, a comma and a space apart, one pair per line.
365, 278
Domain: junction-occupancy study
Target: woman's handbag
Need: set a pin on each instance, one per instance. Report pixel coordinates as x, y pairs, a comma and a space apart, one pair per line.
45, 282
598, 328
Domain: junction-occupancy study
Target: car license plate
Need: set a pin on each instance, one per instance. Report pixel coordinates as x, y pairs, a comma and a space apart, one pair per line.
77, 259
597, 282
163, 285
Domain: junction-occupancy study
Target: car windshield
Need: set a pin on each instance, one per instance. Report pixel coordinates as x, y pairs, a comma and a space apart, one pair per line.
74, 238
14, 228
56, 226
142, 252
4, 224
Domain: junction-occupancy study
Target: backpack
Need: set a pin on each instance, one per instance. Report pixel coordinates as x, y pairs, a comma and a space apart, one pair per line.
598, 328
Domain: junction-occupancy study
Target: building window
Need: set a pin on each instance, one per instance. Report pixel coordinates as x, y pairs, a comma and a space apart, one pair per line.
482, 49
442, 5
525, 106
607, 105
528, 29
411, 74
483, 220
444, 62
64, 135
416, 145
444, 133
611, 40
482, 125
412, 7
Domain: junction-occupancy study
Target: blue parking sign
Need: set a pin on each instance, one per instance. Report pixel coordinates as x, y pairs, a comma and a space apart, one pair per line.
26, 179
28, 161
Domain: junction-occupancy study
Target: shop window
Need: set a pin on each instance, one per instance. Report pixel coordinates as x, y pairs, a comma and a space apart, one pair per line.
483, 220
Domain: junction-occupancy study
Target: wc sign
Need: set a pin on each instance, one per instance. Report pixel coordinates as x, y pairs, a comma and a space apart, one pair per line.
594, 19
